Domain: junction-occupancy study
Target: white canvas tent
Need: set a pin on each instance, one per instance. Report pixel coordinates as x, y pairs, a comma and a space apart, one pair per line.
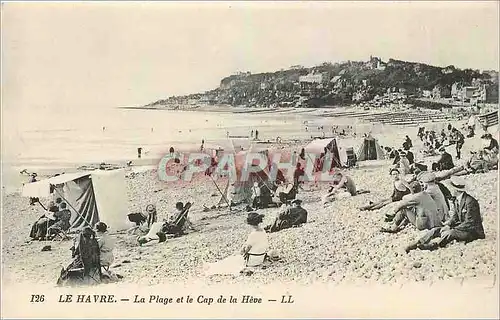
94, 196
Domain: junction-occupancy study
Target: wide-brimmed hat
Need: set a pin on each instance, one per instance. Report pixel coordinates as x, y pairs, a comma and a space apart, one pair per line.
150, 208
457, 182
427, 177
254, 218
296, 201
441, 149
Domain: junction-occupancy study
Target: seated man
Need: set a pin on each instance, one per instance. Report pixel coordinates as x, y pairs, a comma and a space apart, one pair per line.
445, 162
465, 223
417, 208
289, 217
62, 221
342, 186
428, 180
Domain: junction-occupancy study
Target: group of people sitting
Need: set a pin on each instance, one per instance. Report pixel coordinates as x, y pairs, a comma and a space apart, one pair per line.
176, 224
421, 198
433, 142
54, 221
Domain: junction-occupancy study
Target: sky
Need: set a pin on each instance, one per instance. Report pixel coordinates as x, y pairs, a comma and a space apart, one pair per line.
72, 55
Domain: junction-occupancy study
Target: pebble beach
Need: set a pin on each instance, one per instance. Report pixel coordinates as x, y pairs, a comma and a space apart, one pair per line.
338, 245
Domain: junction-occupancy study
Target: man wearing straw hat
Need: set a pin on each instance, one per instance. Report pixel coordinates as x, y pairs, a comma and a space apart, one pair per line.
465, 223
428, 180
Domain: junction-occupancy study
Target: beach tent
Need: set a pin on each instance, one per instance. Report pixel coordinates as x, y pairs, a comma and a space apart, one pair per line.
262, 177
99, 195
370, 150
318, 146
347, 145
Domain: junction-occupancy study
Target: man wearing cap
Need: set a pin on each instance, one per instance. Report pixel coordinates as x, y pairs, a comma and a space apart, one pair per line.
465, 223
291, 217
428, 179
445, 162
416, 208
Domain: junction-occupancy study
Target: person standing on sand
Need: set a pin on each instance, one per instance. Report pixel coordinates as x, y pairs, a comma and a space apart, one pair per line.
256, 134
32, 178
458, 139
251, 134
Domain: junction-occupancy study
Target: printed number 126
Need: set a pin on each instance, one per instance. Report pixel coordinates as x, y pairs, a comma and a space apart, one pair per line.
37, 298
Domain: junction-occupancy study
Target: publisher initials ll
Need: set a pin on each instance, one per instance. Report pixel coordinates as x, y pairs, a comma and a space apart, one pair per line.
286, 299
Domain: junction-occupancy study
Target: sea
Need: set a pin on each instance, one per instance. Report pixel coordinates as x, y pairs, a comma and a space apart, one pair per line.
48, 139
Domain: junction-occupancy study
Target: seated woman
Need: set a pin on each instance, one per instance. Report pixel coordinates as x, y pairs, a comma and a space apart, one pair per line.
170, 225
85, 267
62, 217
401, 188
139, 219
39, 228
285, 192
252, 254
106, 245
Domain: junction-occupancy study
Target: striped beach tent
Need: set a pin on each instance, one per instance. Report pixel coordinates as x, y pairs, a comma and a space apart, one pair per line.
92, 196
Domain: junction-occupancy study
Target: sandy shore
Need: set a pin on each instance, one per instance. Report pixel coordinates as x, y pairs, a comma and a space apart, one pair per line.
339, 244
